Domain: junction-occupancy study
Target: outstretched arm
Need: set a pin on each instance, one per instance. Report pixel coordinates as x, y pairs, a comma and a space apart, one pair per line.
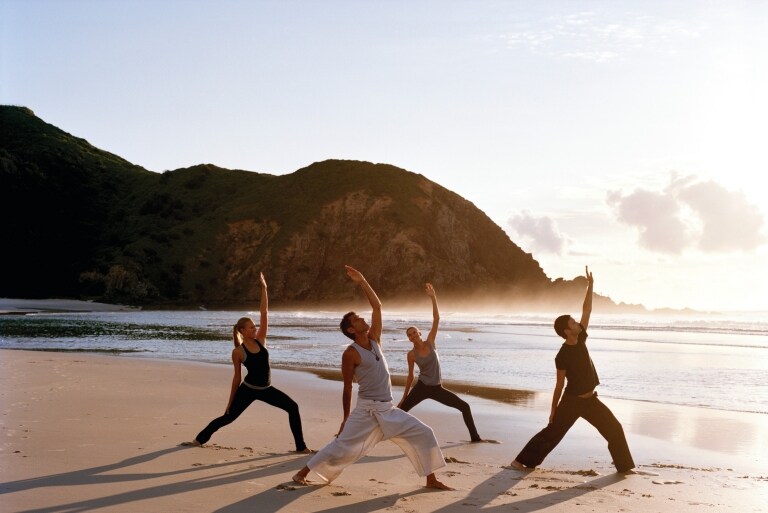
557, 394
586, 310
237, 360
409, 379
435, 316
373, 299
261, 335
348, 364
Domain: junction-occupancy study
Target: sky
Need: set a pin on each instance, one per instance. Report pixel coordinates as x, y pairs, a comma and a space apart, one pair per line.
624, 135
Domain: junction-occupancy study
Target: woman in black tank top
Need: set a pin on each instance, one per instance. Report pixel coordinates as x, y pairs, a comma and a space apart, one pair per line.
251, 351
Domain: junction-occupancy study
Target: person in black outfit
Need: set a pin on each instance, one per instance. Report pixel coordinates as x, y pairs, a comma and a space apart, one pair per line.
253, 354
580, 398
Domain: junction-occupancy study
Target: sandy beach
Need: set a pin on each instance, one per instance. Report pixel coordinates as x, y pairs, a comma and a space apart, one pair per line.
86, 432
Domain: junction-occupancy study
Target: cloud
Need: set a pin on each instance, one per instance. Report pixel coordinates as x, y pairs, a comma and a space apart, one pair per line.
602, 36
542, 232
690, 214
729, 221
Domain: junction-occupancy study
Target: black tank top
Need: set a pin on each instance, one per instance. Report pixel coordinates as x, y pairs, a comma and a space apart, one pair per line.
579, 370
257, 365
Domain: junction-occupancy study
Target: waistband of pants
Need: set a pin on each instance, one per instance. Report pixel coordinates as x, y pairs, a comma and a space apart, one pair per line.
372, 403
254, 387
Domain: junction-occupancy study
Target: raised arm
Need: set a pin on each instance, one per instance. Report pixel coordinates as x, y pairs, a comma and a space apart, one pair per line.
586, 309
261, 334
435, 316
373, 299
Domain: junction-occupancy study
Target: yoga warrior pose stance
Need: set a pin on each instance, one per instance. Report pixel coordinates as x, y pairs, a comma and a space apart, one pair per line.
252, 353
580, 398
374, 418
429, 384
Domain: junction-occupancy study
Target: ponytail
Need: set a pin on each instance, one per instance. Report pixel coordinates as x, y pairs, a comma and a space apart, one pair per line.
236, 336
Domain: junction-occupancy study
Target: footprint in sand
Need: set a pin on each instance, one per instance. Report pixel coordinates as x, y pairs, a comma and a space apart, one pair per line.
645, 473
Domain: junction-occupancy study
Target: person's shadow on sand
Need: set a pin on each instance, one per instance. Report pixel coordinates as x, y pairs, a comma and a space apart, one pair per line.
271, 501
503, 483
94, 476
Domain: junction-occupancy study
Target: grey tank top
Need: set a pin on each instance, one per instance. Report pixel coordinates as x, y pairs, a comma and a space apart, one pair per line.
372, 375
429, 367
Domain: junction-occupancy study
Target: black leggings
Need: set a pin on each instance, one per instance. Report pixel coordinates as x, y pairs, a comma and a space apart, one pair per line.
244, 396
421, 391
568, 411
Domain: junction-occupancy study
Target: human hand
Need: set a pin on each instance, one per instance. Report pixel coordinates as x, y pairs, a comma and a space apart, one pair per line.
262, 281
353, 273
430, 290
590, 280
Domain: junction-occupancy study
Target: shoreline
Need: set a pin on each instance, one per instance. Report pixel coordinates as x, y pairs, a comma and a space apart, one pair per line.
95, 432
499, 394
9, 306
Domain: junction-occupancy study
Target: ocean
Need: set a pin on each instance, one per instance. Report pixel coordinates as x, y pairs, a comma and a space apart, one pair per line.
713, 361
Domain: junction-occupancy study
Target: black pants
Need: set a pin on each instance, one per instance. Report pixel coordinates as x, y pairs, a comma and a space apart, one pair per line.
244, 396
421, 391
568, 411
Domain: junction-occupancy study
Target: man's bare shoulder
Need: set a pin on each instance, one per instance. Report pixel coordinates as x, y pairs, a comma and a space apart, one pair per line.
350, 352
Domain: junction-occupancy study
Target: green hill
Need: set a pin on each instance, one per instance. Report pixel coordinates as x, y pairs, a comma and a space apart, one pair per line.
84, 223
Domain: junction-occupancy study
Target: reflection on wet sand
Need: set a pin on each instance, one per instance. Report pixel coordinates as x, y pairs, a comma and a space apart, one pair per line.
734, 433
504, 395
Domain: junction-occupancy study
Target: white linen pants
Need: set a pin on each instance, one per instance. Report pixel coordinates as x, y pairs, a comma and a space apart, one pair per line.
370, 423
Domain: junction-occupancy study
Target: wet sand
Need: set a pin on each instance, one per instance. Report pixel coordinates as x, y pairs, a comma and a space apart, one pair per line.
28, 306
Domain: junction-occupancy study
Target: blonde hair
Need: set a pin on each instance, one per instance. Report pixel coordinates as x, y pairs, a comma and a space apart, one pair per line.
239, 325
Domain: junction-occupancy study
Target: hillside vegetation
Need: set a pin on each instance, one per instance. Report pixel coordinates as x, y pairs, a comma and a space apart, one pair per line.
83, 223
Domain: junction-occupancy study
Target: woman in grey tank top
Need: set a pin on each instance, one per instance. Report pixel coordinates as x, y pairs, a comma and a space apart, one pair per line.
429, 385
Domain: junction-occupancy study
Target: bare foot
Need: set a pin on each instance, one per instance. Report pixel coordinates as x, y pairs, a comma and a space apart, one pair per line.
516, 465
193, 443
627, 472
432, 482
299, 479
307, 450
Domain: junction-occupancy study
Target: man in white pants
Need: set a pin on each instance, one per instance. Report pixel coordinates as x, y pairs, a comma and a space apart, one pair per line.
375, 418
